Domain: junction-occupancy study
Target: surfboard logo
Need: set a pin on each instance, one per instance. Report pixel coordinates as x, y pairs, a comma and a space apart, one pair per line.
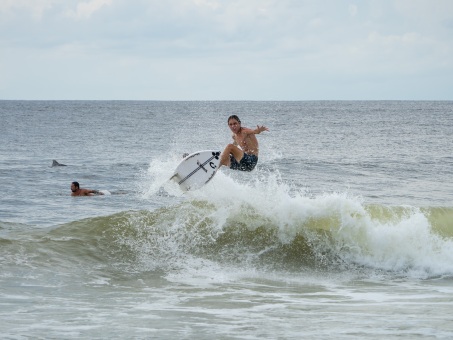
202, 166
216, 156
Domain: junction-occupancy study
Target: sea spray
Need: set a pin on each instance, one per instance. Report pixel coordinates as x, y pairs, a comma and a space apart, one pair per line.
259, 220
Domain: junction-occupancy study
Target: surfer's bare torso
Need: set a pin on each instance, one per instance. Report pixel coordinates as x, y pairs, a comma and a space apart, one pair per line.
245, 138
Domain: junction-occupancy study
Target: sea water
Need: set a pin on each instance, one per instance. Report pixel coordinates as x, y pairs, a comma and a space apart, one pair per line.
344, 230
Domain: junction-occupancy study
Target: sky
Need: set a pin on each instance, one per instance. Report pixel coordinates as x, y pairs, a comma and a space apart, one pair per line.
226, 50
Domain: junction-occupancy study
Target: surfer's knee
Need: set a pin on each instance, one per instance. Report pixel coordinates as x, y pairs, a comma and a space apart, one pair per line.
229, 147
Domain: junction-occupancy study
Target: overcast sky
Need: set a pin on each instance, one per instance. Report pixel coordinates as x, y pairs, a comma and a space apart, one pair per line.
226, 49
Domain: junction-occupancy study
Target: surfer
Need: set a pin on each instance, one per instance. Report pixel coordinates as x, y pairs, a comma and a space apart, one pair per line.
242, 154
77, 191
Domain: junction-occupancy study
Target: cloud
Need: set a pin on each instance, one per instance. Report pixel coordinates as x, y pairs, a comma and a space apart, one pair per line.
255, 49
353, 10
425, 11
36, 8
84, 10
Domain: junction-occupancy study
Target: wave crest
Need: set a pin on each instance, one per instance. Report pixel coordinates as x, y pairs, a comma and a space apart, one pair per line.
329, 233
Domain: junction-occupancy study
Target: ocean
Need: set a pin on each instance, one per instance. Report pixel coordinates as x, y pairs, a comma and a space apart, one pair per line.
343, 231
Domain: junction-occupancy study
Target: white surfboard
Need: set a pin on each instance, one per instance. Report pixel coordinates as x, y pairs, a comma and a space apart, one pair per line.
197, 169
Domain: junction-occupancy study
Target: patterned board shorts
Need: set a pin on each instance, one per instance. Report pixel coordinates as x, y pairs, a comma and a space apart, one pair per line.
247, 163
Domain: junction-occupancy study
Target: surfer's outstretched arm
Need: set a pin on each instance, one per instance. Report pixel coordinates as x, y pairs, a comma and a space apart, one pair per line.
256, 131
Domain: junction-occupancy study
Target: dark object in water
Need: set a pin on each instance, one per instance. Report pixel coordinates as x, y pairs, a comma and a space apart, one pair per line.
55, 163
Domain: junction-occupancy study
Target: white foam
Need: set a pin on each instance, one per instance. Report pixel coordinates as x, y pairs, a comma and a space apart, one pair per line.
408, 245
157, 178
404, 244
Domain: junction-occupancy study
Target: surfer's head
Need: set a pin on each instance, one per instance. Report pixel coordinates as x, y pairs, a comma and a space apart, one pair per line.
75, 186
235, 118
234, 124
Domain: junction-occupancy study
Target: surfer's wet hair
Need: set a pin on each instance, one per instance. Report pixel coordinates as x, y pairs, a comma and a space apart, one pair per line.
234, 117
76, 184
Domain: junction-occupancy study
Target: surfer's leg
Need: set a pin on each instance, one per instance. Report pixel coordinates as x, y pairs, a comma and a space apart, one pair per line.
231, 150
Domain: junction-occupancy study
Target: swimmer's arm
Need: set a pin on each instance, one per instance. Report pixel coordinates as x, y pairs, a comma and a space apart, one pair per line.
96, 192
